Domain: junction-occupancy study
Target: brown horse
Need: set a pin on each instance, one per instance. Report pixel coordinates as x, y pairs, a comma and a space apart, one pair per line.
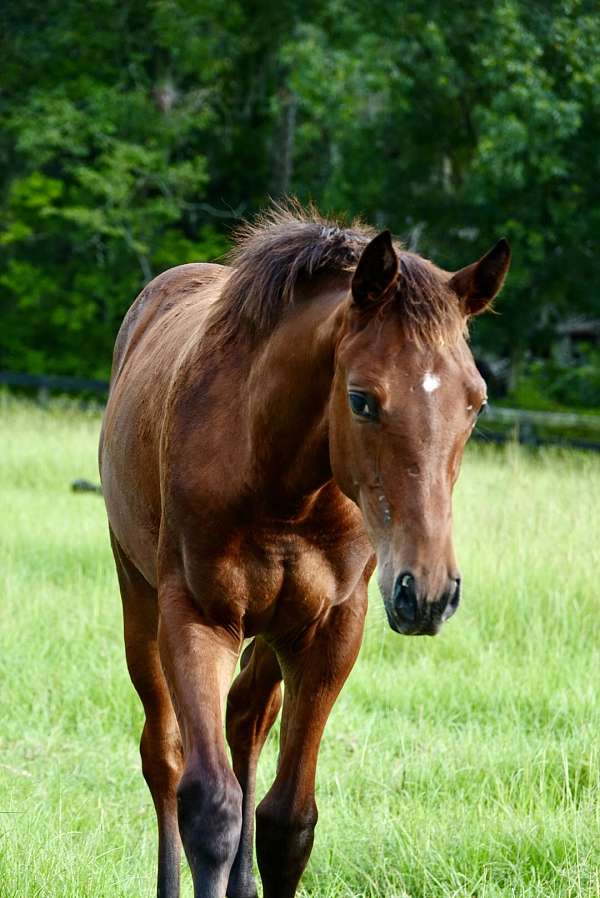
275, 427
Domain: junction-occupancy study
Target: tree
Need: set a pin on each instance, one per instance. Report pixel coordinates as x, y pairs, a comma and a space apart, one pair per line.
136, 133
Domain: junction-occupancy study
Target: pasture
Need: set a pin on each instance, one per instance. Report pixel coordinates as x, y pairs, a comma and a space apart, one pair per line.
465, 765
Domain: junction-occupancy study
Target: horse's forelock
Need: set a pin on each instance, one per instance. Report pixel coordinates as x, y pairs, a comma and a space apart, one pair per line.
430, 310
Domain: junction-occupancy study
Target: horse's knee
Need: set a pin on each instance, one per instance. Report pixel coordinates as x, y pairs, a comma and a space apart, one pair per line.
284, 834
210, 816
162, 761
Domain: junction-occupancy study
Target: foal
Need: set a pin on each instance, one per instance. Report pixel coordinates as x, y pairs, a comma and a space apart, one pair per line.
273, 429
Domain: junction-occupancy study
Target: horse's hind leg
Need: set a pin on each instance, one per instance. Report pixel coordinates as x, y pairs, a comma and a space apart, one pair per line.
160, 745
252, 707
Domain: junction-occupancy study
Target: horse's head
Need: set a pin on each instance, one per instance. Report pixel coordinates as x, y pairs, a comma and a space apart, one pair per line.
405, 399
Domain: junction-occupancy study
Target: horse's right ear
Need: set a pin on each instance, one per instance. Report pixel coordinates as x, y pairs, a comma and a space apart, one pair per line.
477, 284
376, 270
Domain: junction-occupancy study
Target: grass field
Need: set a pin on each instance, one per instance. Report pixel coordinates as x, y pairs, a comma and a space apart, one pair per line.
466, 765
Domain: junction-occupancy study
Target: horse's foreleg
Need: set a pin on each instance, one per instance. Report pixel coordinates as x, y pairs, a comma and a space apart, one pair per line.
160, 747
199, 662
252, 707
286, 817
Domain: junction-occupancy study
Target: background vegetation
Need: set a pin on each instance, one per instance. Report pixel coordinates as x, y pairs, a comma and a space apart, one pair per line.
464, 766
136, 132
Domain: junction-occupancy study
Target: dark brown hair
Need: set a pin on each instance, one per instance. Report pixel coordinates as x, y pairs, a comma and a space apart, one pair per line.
289, 243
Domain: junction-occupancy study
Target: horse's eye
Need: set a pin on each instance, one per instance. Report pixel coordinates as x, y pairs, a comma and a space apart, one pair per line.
363, 405
482, 409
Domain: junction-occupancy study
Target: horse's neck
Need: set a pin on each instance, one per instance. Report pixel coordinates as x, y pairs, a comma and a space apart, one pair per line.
289, 389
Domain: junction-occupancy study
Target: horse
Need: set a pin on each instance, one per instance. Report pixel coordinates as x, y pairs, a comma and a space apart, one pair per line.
275, 428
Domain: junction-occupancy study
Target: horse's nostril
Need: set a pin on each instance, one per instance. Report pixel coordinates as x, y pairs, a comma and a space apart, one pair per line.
456, 596
453, 601
405, 597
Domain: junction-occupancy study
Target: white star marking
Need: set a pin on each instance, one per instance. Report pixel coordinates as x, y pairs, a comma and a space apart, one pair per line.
430, 382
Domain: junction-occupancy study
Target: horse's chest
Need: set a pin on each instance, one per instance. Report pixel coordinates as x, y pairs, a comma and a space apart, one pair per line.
279, 581
309, 578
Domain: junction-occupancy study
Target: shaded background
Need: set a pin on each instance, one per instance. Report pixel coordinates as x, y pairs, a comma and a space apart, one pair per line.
135, 134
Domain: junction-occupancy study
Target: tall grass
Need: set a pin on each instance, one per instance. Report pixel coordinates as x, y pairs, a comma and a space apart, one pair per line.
466, 765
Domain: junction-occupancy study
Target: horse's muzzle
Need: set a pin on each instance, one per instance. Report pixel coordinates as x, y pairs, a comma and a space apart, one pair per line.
413, 614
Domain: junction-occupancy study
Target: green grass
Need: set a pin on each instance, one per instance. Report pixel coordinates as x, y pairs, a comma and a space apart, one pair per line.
466, 765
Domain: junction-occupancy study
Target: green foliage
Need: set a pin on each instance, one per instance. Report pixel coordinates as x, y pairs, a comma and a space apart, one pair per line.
553, 385
136, 133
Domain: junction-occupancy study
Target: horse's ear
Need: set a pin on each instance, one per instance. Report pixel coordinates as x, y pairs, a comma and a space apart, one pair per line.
477, 284
376, 270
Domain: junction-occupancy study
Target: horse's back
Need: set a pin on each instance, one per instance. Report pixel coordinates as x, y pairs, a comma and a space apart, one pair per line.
168, 314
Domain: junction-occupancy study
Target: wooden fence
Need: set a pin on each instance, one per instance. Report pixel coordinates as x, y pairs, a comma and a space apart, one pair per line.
499, 424
533, 428
44, 383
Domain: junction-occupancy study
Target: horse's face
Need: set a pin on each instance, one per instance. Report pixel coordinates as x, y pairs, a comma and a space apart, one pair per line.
401, 413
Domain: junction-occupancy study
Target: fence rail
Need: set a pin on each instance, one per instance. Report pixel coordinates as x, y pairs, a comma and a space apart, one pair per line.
54, 382
532, 428
521, 425
519, 416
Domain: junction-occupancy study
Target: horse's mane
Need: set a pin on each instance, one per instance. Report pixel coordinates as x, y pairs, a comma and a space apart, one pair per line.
289, 243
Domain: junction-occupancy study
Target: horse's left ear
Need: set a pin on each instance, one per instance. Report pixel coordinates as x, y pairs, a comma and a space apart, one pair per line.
376, 270
477, 284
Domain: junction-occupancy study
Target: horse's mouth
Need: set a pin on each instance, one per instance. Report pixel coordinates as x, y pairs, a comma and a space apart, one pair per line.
428, 627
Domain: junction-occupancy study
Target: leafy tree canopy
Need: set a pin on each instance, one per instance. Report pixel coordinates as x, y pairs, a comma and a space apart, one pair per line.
136, 133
